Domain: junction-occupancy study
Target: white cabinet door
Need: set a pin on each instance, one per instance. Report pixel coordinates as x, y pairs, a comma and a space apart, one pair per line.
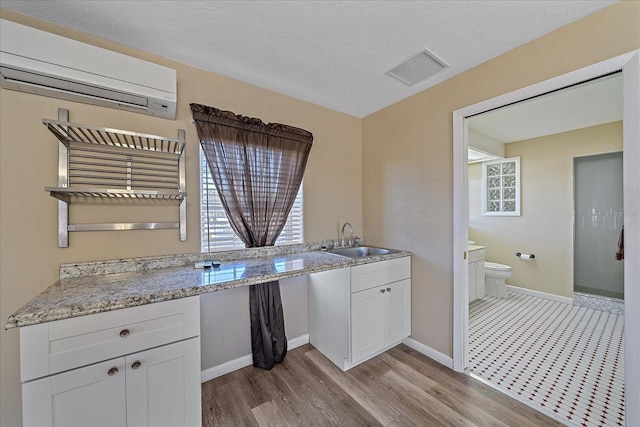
367, 323
163, 388
157, 387
397, 311
85, 397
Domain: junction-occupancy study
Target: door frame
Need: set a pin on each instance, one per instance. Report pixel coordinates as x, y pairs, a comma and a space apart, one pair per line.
629, 63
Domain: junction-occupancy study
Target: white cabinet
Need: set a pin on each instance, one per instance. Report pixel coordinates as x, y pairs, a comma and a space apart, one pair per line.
358, 312
476, 273
158, 386
380, 318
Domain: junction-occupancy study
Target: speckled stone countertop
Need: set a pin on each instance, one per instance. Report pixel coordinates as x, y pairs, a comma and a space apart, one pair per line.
85, 289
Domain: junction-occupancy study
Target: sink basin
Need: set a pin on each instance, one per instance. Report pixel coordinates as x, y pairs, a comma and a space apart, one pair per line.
361, 251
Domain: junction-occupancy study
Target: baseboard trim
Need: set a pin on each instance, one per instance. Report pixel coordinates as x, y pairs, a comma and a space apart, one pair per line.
298, 341
429, 352
243, 361
539, 294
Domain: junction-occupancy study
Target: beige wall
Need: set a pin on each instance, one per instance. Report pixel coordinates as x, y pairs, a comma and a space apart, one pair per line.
545, 227
407, 154
30, 257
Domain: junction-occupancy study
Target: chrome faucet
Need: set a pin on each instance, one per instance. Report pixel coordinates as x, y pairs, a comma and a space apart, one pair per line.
342, 233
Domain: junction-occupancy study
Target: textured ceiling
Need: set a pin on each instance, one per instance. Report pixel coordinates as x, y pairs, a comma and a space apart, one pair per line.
331, 53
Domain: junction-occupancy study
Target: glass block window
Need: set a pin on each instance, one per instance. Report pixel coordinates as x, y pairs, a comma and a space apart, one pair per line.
501, 187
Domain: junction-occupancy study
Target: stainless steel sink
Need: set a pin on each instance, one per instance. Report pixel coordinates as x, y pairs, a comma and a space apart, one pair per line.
361, 251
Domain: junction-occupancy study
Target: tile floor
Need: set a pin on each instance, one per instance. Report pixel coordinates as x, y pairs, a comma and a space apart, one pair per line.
565, 360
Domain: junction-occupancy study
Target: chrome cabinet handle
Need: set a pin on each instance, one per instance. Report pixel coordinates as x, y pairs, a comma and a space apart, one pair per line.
124, 333
113, 371
388, 289
382, 290
136, 364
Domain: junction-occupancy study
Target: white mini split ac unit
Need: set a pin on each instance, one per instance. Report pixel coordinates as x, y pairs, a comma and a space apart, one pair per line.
46, 64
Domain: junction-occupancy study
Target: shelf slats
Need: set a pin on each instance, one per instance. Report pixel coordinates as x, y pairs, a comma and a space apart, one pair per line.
114, 193
67, 132
98, 162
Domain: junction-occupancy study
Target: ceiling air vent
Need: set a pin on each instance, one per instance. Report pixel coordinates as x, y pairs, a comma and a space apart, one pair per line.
420, 66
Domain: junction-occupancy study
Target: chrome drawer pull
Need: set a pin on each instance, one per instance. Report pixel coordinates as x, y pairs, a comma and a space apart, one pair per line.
382, 291
124, 333
388, 289
136, 364
113, 371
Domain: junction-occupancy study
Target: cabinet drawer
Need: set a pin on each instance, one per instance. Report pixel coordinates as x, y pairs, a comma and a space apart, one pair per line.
61, 345
476, 255
368, 276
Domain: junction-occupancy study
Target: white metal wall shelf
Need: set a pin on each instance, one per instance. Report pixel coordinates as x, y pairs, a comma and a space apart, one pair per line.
106, 163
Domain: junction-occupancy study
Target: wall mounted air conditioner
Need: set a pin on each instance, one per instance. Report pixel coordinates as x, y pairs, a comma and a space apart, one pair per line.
46, 64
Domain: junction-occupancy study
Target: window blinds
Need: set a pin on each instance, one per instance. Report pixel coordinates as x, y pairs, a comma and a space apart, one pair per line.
216, 233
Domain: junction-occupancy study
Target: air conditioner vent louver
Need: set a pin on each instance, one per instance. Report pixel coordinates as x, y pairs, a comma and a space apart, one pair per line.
418, 67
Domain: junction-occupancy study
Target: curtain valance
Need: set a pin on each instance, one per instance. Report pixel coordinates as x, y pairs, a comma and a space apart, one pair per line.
206, 114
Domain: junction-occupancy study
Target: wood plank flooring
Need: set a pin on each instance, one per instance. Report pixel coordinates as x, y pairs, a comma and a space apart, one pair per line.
398, 388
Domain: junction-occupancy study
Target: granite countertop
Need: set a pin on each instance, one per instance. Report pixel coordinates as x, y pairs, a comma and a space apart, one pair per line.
474, 247
80, 295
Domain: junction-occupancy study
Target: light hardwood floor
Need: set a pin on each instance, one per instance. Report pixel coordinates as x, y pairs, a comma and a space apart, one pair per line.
398, 388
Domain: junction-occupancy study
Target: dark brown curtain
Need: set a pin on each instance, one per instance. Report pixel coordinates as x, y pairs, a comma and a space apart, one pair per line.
257, 169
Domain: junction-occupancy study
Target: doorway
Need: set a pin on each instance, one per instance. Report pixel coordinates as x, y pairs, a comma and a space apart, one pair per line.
598, 221
530, 339
630, 65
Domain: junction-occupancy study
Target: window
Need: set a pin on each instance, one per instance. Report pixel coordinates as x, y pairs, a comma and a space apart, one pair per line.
216, 233
501, 187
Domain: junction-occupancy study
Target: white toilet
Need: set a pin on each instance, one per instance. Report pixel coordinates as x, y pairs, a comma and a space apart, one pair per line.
494, 277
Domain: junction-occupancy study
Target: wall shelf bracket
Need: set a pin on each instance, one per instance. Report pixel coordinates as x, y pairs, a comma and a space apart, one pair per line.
104, 163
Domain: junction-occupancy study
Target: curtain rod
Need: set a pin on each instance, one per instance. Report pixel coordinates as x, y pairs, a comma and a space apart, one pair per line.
267, 133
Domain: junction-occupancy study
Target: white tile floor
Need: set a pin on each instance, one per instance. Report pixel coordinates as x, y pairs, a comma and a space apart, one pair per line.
566, 360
